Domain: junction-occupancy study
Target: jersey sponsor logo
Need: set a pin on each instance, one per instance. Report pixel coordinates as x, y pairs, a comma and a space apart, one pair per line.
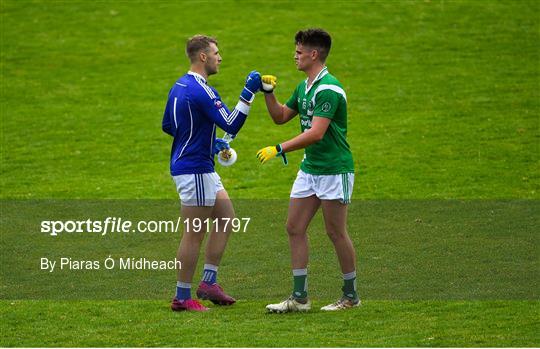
218, 103
305, 123
326, 107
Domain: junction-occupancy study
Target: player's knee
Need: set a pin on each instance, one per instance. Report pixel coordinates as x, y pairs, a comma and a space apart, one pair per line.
294, 228
336, 234
193, 237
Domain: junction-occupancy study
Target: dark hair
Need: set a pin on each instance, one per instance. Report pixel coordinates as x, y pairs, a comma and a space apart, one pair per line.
198, 43
315, 38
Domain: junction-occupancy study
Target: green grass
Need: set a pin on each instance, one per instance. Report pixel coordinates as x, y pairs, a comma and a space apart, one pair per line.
431, 273
375, 324
443, 96
443, 102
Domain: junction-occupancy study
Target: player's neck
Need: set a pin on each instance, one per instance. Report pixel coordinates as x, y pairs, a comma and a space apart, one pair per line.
313, 72
199, 70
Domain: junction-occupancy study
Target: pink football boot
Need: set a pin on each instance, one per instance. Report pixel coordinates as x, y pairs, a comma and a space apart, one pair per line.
215, 294
187, 305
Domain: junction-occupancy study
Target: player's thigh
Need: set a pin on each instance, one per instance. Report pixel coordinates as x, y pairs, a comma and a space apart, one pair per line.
223, 207
195, 219
301, 211
335, 216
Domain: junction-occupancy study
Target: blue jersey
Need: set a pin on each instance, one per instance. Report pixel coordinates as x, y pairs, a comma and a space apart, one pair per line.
193, 110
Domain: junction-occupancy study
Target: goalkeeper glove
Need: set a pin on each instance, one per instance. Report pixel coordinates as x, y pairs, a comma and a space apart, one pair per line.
220, 144
269, 82
270, 152
253, 85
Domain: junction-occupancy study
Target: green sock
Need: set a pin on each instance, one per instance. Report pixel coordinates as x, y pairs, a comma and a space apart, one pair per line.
300, 283
349, 285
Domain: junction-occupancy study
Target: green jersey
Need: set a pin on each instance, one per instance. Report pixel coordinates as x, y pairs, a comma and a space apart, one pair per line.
324, 98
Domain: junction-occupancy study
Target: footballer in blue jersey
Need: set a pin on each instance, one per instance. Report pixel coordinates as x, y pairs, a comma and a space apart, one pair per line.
193, 112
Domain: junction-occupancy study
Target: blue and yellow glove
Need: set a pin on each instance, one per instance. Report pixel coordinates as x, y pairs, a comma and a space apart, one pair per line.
253, 85
269, 83
270, 152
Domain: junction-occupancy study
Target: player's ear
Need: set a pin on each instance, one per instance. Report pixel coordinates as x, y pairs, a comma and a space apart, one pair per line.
202, 56
314, 55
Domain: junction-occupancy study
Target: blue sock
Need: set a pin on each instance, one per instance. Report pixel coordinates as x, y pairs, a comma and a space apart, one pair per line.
183, 290
210, 274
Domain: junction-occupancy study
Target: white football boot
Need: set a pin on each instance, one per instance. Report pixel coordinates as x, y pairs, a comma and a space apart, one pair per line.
291, 304
342, 304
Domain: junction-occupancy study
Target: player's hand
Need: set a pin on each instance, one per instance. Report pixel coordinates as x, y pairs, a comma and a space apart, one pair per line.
269, 82
253, 85
220, 144
271, 152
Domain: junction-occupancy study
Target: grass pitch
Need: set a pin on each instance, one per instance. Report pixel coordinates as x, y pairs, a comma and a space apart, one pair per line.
443, 96
443, 104
377, 323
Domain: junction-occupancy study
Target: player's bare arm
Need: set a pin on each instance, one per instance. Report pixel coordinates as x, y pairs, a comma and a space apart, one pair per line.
313, 135
280, 113
306, 138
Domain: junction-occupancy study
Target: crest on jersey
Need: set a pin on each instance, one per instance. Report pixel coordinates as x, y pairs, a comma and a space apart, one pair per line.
218, 103
326, 107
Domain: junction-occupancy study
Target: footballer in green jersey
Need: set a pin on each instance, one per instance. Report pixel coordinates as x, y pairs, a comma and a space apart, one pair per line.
326, 175
326, 98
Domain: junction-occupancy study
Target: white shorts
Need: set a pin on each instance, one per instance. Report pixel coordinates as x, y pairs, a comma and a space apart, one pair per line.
325, 187
198, 189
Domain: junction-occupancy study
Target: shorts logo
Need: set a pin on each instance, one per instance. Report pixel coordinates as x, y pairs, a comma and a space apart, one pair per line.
326, 107
218, 103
